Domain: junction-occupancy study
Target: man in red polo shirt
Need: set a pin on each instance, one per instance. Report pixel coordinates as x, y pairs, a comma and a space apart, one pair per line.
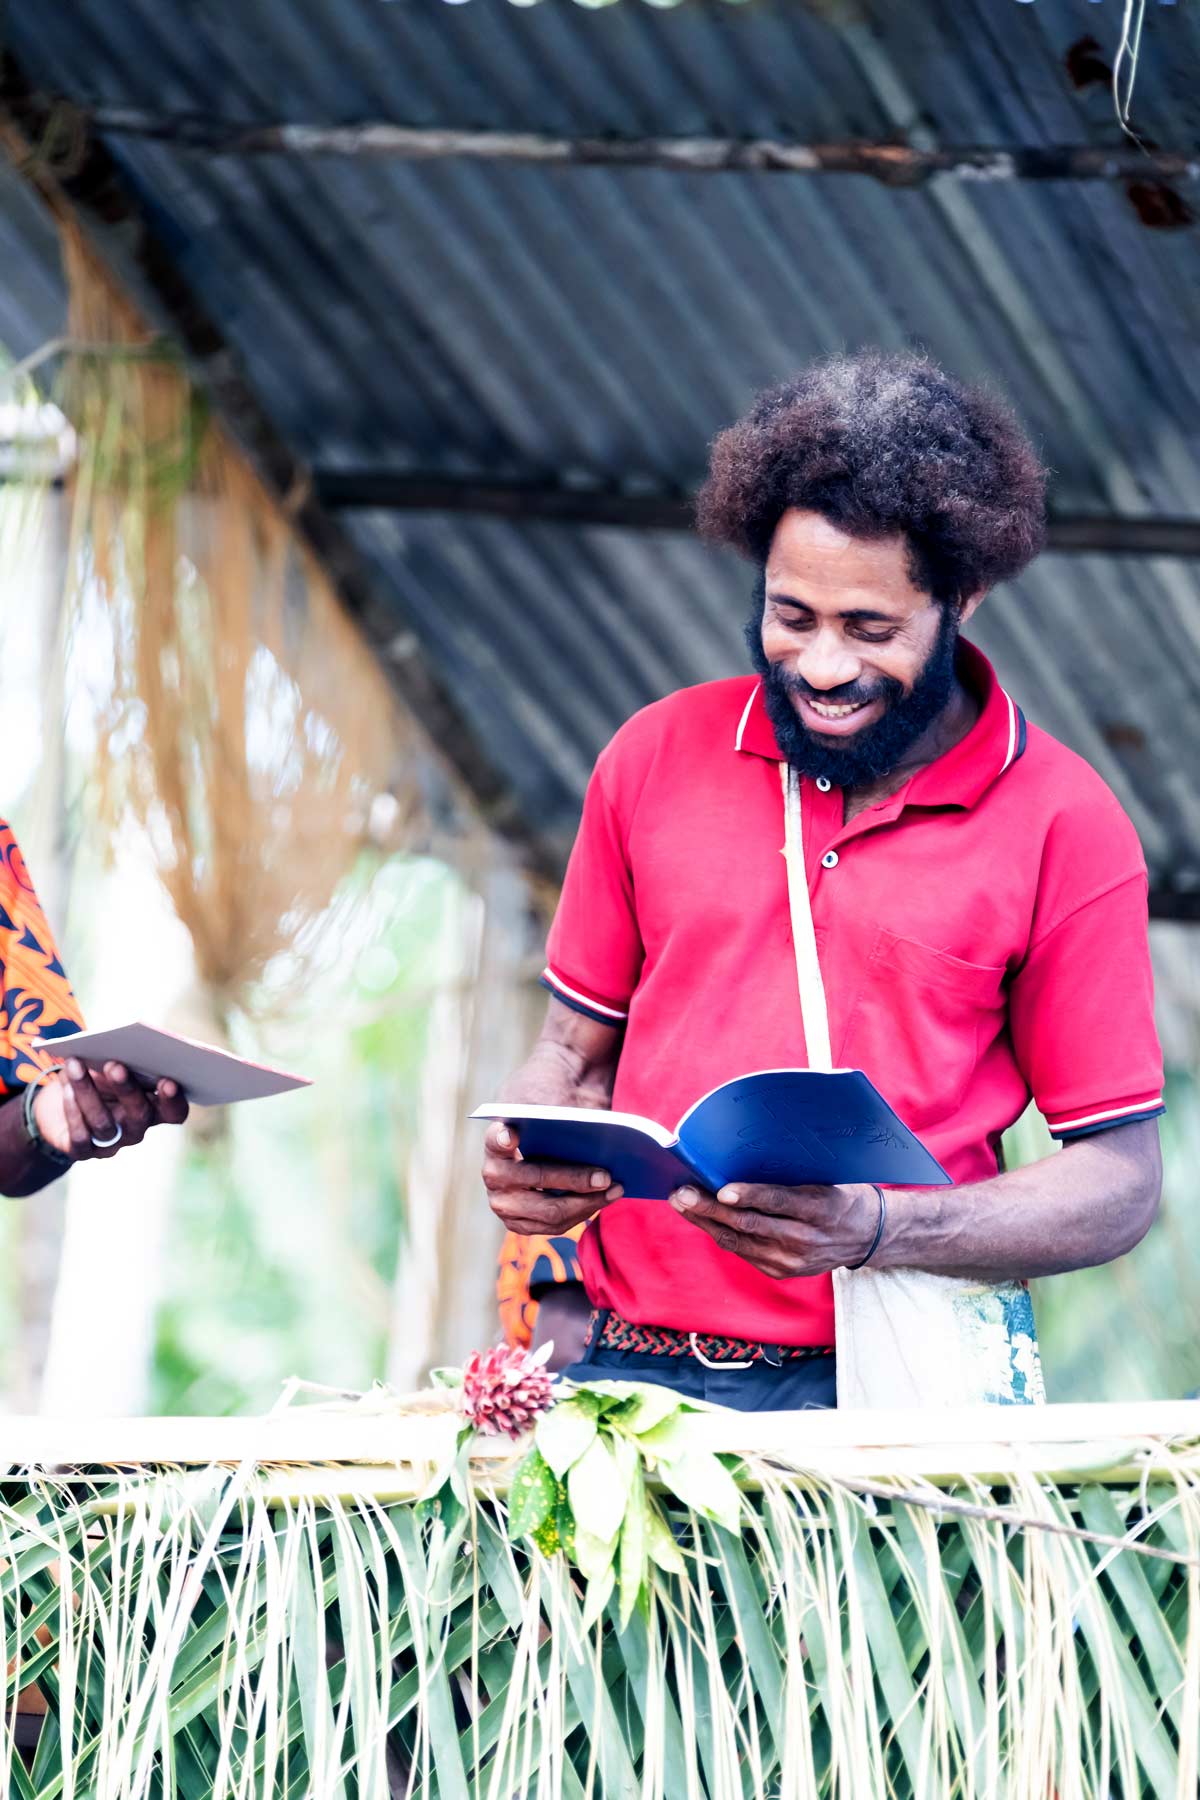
978, 896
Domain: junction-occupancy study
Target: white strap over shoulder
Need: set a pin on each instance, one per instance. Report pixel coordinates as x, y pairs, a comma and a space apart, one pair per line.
906, 1337
813, 1009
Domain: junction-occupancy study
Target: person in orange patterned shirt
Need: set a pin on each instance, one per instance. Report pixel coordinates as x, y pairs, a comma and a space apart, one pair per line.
534, 1274
54, 1114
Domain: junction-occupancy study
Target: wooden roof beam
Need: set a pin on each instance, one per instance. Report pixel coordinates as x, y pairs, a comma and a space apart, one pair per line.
404, 491
899, 165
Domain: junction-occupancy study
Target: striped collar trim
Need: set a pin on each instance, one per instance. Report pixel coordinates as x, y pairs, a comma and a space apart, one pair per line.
963, 775
1016, 732
755, 693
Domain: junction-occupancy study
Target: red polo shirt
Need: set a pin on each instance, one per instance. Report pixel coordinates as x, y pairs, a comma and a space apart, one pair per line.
982, 936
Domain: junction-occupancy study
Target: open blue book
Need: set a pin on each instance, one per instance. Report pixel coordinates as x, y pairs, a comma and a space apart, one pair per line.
787, 1126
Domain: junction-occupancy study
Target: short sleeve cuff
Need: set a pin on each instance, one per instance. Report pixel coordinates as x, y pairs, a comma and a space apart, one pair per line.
1084, 1120
573, 993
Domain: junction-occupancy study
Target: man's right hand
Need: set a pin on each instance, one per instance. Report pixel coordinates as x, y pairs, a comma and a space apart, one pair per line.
540, 1198
91, 1114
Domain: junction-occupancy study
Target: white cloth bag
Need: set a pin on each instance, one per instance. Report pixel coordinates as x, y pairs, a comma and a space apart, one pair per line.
906, 1337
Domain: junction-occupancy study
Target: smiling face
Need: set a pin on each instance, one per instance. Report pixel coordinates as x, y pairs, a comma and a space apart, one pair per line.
857, 662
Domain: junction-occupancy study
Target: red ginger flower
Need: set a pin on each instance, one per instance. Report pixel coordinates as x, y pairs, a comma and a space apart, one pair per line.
505, 1389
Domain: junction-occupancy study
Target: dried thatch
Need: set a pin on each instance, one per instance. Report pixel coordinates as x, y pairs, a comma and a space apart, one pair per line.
241, 718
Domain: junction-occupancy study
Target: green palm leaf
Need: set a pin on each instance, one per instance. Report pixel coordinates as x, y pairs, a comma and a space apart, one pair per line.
194, 1637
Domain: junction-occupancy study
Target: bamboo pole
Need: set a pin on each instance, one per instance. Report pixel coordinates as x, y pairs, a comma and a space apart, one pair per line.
1091, 1439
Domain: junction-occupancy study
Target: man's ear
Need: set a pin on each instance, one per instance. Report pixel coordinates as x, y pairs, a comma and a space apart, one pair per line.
970, 605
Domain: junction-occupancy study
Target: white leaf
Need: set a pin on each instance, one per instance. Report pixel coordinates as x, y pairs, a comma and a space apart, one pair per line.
661, 1546
592, 1555
597, 1492
673, 1437
706, 1485
654, 1406
564, 1433
600, 1587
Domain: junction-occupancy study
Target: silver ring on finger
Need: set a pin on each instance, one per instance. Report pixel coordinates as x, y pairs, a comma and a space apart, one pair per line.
107, 1143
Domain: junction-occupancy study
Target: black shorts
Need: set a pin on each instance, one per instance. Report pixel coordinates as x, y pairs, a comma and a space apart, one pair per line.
800, 1386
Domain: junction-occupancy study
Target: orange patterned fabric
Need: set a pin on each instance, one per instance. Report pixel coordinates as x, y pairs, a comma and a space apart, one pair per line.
37, 997
527, 1266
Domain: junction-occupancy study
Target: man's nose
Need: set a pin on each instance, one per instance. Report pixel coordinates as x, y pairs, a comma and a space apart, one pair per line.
827, 661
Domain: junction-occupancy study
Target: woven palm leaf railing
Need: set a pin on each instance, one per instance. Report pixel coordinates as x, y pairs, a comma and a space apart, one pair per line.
344, 1604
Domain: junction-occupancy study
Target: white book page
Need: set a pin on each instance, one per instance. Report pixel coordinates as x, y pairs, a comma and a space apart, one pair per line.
208, 1076
518, 1110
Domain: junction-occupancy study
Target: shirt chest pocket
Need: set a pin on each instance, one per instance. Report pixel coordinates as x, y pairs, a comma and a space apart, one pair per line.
920, 1023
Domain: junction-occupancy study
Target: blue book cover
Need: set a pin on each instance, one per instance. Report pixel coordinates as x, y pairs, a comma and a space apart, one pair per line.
783, 1126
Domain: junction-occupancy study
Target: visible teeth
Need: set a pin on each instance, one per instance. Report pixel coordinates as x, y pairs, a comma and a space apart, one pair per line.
835, 712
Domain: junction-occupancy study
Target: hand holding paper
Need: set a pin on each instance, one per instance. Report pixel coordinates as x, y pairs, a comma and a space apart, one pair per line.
85, 1115
207, 1076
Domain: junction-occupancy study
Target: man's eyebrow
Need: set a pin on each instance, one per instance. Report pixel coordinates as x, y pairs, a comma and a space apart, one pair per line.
853, 612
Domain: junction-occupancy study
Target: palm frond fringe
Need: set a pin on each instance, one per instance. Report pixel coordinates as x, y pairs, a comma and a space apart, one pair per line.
287, 1628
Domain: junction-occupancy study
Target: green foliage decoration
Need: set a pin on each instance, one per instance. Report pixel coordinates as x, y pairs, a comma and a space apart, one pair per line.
620, 1608
583, 1488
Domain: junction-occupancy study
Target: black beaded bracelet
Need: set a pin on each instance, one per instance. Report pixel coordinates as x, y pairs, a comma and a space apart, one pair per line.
37, 1142
876, 1240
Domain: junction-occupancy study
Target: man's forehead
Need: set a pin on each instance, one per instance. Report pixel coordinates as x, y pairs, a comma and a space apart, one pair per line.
802, 531
817, 563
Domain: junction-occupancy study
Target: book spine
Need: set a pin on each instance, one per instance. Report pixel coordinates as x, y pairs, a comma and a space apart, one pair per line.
708, 1178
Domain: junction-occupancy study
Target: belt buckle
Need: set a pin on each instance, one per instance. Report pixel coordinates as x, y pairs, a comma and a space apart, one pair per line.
774, 1361
698, 1353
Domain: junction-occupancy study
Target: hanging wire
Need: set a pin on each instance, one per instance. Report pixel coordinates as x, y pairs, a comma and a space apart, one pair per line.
1125, 65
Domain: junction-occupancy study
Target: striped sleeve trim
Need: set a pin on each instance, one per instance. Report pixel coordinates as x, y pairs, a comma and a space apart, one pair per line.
581, 1001
1083, 1124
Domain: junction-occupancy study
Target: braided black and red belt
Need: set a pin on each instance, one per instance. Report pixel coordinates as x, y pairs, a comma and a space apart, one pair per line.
707, 1346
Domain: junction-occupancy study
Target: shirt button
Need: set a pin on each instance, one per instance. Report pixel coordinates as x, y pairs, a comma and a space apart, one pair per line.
829, 860
823, 784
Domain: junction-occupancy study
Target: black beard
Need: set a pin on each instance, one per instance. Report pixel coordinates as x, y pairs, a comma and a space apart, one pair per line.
875, 750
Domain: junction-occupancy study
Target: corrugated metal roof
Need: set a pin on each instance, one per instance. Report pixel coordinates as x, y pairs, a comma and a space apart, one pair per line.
598, 326
33, 305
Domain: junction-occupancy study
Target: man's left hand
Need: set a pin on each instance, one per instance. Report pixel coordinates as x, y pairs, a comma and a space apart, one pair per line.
785, 1231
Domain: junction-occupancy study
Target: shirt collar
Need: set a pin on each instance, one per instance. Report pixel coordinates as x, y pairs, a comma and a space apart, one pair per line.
960, 777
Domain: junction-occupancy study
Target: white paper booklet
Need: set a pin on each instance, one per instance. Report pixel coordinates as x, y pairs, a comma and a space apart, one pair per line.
208, 1076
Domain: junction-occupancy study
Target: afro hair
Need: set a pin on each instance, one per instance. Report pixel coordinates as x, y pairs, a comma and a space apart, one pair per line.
884, 446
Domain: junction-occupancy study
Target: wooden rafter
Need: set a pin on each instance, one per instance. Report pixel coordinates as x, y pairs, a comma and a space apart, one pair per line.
407, 491
900, 165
